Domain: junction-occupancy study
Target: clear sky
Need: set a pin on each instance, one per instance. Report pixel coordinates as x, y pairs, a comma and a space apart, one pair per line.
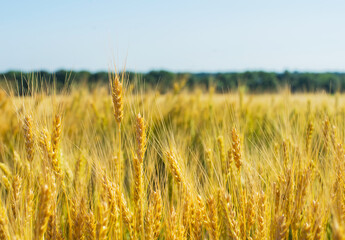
195, 35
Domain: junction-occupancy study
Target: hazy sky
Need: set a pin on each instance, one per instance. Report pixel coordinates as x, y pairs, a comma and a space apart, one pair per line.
175, 35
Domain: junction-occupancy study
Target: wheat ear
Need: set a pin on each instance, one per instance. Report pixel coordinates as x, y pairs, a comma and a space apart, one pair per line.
213, 218
55, 142
29, 138
44, 212
116, 94
236, 148
175, 167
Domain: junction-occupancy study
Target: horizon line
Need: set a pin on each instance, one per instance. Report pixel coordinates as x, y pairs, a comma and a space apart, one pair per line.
175, 71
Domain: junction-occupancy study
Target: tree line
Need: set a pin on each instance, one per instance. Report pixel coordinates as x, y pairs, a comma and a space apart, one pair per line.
252, 81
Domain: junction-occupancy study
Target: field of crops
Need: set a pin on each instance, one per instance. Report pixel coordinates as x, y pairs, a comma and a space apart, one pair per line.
122, 163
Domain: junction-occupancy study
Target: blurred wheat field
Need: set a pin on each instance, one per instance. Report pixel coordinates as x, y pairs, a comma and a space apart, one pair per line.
126, 164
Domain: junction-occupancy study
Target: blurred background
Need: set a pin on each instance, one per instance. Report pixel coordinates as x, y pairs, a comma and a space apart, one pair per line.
260, 44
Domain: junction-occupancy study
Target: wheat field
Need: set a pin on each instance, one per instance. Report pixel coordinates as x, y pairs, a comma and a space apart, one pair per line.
122, 163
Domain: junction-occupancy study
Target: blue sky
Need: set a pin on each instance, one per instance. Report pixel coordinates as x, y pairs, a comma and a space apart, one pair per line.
195, 35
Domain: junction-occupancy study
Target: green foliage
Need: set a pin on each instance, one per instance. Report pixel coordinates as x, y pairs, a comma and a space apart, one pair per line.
254, 81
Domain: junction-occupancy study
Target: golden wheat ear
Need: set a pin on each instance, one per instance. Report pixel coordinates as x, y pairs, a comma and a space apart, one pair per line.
4, 232
310, 130
44, 212
140, 137
117, 96
55, 137
55, 142
229, 214
138, 174
212, 223
29, 138
153, 217
221, 148
236, 148
261, 215
102, 226
158, 207
175, 167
